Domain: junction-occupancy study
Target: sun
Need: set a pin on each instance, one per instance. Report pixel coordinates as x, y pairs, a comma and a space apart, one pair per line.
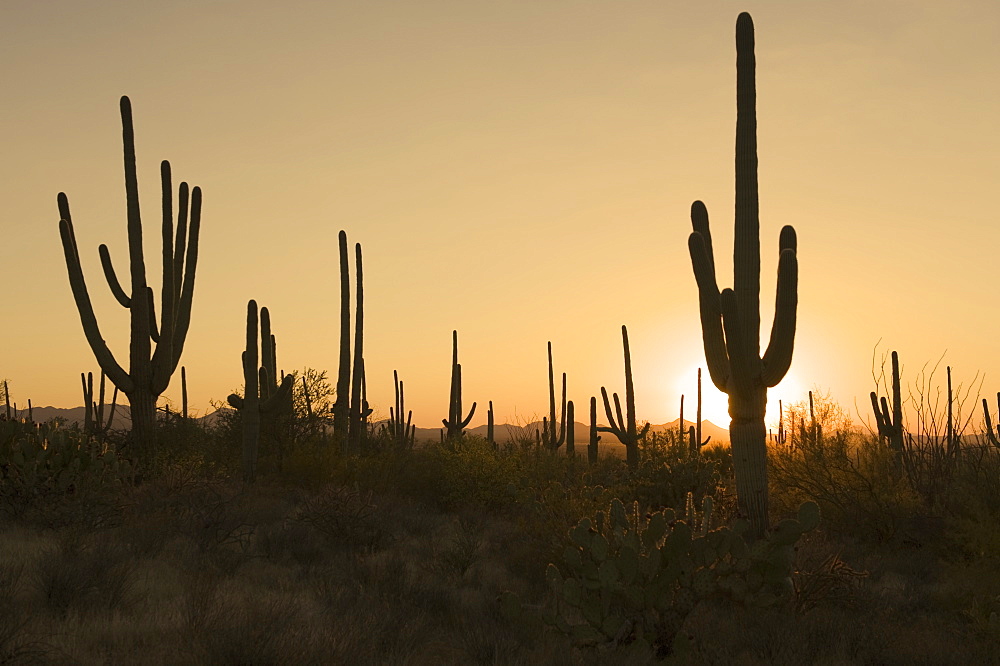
715, 403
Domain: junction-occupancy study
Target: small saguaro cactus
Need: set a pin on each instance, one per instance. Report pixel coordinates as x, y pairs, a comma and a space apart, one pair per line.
263, 398
490, 425
93, 411
992, 435
625, 429
730, 319
184, 393
549, 437
400, 430
890, 423
594, 437
570, 430
697, 442
455, 424
782, 436
149, 367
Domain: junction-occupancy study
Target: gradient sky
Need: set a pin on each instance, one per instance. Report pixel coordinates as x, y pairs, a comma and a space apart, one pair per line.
519, 171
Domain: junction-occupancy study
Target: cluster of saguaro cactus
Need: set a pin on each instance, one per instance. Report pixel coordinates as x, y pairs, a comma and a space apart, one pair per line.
730, 319
624, 428
550, 439
264, 401
154, 350
455, 425
94, 423
350, 410
401, 432
634, 578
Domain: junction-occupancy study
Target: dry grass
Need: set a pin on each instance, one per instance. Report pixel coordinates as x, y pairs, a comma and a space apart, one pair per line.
191, 568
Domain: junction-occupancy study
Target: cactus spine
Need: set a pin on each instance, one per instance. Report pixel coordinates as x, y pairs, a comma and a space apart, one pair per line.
549, 437
455, 424
150, 367
624, 429
730, 320
262, 398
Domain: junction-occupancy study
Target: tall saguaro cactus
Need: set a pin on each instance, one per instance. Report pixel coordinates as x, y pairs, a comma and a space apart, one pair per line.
455, 424
154, 351
730, 319
624, 429
350, 410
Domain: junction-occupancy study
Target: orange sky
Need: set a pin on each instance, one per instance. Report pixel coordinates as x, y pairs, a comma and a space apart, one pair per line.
519, 171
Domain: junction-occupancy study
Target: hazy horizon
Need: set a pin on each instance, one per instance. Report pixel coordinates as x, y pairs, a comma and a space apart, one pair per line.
517, 172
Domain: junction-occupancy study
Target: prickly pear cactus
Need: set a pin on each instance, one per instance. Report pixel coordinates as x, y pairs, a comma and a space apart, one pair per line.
49, 462
632, 579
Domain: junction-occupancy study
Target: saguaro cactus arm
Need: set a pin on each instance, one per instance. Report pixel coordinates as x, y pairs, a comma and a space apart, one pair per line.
91, 329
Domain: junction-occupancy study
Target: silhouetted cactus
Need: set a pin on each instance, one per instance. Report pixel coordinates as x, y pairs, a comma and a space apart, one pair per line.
489, 426
782, 436
342, 406
697, 442
455, 424
625, 429
263, 398
400, 431
570, 429
730, 320
991, 435
184, 393
93, 411
549, 437
149, 368
594, 437
350, 409
890, 423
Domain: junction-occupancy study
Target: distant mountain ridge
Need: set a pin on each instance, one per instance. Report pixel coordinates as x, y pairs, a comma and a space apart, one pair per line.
504, 432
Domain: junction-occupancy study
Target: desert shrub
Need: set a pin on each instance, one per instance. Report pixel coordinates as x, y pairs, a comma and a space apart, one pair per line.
83, 575
346, 517
851, 476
